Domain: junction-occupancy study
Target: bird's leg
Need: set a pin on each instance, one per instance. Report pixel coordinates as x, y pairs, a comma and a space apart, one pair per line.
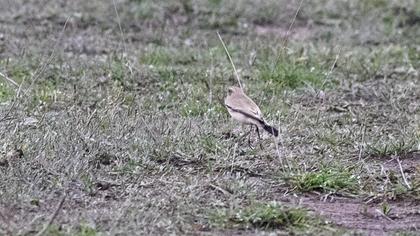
244, 135
249, 137
259, 137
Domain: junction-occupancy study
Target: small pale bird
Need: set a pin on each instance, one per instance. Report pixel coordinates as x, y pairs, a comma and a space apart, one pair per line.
244, 110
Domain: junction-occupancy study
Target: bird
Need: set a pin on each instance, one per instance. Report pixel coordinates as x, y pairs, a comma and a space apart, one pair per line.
244, 110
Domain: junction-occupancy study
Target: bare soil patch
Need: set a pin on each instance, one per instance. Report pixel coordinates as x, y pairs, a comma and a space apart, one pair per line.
355, 214
410, 163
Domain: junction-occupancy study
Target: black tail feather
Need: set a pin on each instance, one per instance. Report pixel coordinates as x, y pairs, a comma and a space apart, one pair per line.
271, 130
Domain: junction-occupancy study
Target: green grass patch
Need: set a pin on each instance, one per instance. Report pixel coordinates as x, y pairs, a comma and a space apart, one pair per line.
157, 56
86, 230
397, 147
363, 64
198, 105
210, 144
121, 75
163, 56
261, 215
327, 180
145, 9
405, 233
117, 69
45, 93
414, 56
291, 73
81, 230
54, 230
16, 72
194, 108
6, 92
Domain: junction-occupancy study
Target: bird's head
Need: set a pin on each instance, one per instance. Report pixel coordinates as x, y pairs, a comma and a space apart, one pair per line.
234, 89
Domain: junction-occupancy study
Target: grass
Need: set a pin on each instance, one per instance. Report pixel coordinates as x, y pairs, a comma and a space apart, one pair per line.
263, 216
83, 230
292, 75
118, 70
397, 189
157, 56
140, 140
14, 71
86, 230
292, 70
326, 180
397, 148
6, 92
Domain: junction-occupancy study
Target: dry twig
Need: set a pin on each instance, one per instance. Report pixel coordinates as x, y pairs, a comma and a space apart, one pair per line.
403, 175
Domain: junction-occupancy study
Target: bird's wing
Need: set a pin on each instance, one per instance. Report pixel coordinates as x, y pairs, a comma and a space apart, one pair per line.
244, 105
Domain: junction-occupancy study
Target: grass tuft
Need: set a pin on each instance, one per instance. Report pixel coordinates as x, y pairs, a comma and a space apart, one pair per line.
325, 180
291, 74
86, 230
118, 69
261, 215
398, 147
6, 92
15, 71
157, 56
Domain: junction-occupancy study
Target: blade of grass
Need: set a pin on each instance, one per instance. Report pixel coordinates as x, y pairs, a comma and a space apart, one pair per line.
231, 61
